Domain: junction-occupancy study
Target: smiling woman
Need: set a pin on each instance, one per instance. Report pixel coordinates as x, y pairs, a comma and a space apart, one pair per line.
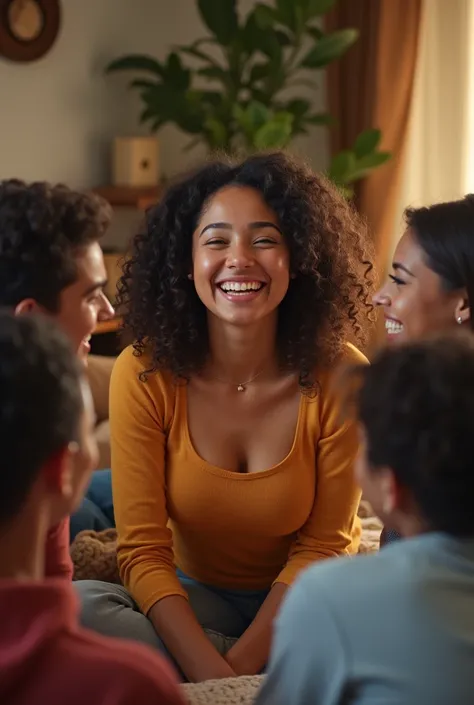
232, 464
432, 284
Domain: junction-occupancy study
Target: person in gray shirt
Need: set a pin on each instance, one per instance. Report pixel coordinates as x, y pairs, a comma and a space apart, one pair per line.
395, 627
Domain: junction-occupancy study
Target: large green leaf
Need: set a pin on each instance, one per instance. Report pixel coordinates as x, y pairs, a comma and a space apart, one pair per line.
251, 117
136, 62
316, 8
367, 142
259, 71
216, 133
176, 74
366, 165
320, 119
298, 107
221, 18
341, 166
286, 12
265, 15
257, 39
198, 54
142, 83
329, 48
276, 133
315, 32
257, 114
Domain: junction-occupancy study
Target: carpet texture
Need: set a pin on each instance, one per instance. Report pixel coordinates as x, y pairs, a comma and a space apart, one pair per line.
228, 691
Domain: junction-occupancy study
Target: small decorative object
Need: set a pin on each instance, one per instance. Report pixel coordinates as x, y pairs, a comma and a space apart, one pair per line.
135, 161
242, 91
28, 28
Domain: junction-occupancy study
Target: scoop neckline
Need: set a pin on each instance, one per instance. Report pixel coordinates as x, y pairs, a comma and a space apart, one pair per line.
215, 469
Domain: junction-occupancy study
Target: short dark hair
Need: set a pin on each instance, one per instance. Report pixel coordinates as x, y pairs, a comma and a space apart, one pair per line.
42, 229
40, 403
327, 303
416, 405
445, 233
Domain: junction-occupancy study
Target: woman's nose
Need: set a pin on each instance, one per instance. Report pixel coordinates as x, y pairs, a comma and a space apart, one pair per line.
381, 298
240, 256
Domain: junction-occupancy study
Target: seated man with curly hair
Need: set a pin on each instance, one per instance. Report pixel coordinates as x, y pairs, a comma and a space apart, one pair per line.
51, 262
397, 626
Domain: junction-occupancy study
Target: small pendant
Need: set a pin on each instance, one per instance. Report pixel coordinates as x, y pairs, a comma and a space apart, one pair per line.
241, 388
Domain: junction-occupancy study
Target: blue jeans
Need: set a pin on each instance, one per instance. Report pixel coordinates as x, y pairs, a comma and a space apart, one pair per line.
389, 536
223, 614
97, 510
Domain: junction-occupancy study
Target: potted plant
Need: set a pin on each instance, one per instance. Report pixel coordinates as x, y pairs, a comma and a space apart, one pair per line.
237, 88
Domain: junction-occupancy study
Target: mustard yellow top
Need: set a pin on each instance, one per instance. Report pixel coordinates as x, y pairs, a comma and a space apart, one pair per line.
230, 530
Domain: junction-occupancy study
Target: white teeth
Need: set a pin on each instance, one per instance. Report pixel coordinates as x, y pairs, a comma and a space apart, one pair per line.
393, 327
241, 286
87, 338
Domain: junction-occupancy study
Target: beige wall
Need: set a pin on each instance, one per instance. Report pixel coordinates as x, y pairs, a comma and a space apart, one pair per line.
59, 115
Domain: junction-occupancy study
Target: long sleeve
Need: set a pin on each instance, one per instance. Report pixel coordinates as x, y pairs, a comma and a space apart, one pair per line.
58, 563
138, 410
308, 663
332, 528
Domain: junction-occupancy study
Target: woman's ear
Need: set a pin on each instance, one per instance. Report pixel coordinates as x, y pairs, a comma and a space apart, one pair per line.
462, 311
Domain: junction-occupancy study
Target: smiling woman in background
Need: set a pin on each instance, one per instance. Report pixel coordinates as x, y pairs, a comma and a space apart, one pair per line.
232, 466
432, 280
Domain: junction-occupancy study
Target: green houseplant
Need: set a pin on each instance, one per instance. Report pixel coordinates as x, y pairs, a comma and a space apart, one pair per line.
237, 88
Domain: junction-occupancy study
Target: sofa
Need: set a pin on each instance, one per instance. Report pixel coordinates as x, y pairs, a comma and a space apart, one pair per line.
99, 370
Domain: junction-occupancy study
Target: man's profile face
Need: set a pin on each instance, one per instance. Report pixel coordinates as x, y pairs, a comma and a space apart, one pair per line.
83, 303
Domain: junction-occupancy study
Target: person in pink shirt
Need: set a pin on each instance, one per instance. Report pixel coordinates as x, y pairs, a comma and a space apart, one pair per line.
48, 452
51, 262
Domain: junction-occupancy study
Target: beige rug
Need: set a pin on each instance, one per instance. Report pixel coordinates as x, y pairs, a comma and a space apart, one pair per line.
228, 691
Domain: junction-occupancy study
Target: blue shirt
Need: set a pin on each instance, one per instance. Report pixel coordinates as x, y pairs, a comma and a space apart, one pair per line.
392, 628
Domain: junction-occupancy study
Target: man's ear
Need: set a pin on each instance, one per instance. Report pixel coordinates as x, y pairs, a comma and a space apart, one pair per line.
27, 306
388, 490
57, 472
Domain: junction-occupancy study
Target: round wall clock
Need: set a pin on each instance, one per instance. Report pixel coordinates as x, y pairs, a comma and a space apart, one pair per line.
28, 28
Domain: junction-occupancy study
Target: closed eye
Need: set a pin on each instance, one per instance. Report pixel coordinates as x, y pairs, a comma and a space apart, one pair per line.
217, 242
265, 241
97, 294
396, 280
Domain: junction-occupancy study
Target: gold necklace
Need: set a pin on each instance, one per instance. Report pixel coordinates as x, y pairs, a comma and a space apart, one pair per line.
243, 385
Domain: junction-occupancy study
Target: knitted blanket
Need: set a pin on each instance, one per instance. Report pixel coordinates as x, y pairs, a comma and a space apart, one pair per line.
94, 554
228, 691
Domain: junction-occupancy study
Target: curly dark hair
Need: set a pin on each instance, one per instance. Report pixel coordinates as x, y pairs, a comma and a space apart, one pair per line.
42, 228
445, 233
327, 303
417, 409
40, 395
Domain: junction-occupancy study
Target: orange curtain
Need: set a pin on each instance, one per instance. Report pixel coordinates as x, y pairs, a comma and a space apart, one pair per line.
371, 86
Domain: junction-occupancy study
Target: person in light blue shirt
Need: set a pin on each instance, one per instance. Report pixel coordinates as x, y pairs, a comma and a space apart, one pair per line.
396, 627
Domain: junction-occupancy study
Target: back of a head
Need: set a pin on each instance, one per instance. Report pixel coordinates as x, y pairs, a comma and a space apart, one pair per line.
416, 405
40, 403
445, 233
42, 228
